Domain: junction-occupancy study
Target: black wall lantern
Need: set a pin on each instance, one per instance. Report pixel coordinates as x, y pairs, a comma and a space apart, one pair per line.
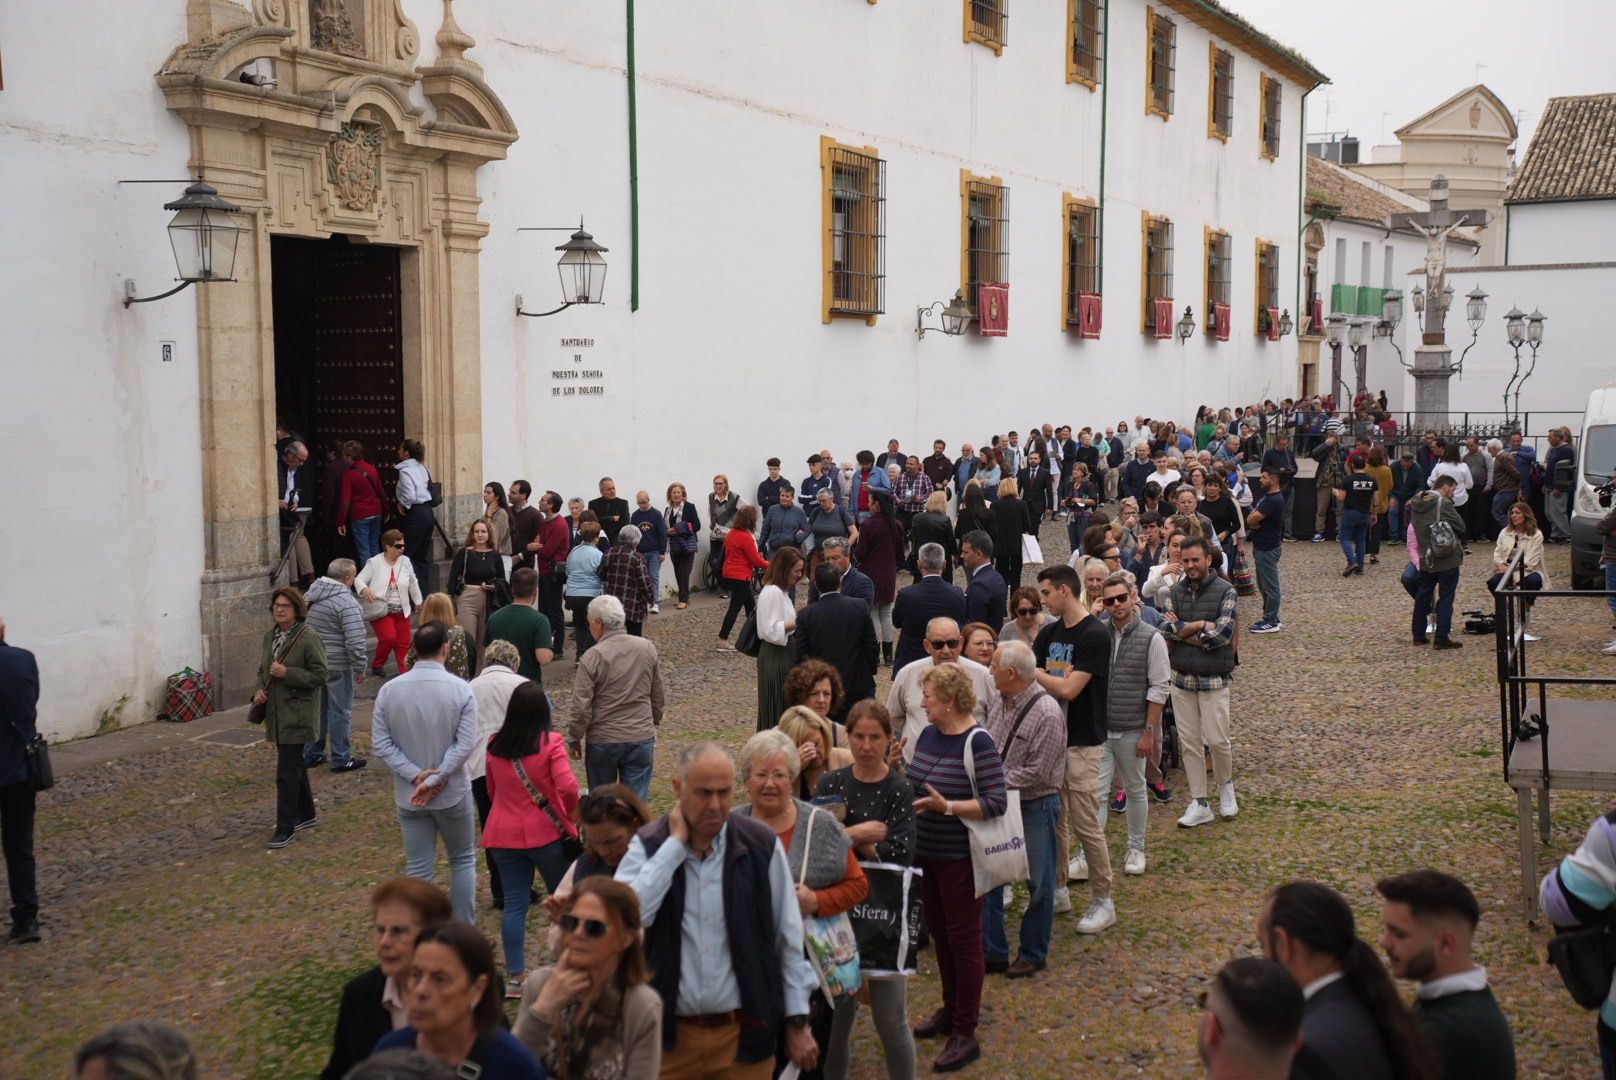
203, 233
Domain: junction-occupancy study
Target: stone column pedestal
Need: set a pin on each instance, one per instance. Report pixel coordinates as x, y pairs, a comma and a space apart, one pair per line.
1432, 370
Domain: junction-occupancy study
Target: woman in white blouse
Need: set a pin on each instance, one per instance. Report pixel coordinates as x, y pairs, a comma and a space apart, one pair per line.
389, 592
776, 620
414, 494
1454, 466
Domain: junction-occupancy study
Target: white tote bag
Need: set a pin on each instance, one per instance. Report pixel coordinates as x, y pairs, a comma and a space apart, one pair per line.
1030, 551
998, 845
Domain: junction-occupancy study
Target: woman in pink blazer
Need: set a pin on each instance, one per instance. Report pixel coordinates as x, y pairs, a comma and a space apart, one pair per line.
531, 823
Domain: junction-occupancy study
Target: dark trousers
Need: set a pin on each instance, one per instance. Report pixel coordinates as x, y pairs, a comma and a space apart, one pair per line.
954, 917
740, 595
17, 838
418, 521
294, 801
550, 588
485, 803
1607, 1049
1008, 564
634, 627
582, 639
1441, 585
682, 561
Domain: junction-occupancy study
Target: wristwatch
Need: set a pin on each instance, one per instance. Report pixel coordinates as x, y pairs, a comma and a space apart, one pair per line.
799, 1021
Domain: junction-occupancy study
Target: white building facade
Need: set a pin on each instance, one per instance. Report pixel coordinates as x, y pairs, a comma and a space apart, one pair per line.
793, 185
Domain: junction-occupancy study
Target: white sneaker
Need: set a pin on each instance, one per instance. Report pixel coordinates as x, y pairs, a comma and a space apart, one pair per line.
1529, 637
1134, 863
1101, 915
1078, 868
1008, 896
1430, 627
1063, 901
656, 609
1199, 813
1609, 650
1226, 804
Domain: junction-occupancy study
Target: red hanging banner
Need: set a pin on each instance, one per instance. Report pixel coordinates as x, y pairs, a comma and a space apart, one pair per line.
1222, 312
1088, 315
993, 309
1163, 322
1273, 324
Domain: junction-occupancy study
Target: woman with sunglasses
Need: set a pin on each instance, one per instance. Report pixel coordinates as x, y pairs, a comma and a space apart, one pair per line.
535, 799
593, 1015
610, 815
389, 577
1027, 617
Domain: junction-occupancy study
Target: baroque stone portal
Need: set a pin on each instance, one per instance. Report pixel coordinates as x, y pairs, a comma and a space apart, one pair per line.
354, 165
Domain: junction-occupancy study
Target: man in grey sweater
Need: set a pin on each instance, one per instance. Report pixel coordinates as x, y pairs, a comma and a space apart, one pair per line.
424, 729
335, 615
617, 701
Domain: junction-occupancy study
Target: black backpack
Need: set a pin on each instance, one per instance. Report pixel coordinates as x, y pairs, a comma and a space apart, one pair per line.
1585, 957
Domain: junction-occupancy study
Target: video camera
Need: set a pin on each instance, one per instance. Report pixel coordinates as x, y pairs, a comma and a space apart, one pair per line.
1605, 492
1480, 622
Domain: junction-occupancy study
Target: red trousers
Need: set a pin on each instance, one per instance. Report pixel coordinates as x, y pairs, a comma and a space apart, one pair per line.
392, 636
954, 917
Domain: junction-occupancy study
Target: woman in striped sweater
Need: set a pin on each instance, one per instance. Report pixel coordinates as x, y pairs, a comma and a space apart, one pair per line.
942, 849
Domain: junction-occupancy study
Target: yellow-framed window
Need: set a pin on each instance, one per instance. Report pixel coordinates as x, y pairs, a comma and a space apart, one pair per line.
1156, 266
1270, 117
853, 193
1220, 93
1084, 52
1219, 272
987, 22
1080, 264
1267, 291
984, 233
1161, 51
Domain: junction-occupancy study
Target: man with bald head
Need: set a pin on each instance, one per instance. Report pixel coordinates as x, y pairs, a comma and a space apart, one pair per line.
714, 887
942, 643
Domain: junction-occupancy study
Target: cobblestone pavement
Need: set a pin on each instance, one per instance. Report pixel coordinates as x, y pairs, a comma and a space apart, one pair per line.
1357, 755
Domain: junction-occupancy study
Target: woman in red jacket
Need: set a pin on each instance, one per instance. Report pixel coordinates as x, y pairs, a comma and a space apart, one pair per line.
740, 559
535, 801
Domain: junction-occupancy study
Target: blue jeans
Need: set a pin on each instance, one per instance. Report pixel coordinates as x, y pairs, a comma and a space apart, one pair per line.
336, 714
1411, 581
516, 866
1268, 582
626, 763
1038, 820
1610, 587
1121, 757
457, 825
1354, 530
1502, 501
367, 537
653, 567
1444, 585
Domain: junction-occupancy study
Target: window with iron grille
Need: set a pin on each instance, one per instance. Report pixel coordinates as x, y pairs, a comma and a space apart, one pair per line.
1267, 282
1158, 265
1270, 117
1220, 118
988, 22
1083, 57
1081, 273
984, 236
1218, 274
855, 230
1163, 41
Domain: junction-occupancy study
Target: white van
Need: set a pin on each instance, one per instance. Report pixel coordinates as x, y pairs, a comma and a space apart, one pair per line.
1596, 463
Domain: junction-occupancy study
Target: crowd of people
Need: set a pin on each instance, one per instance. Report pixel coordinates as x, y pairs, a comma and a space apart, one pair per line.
689, 944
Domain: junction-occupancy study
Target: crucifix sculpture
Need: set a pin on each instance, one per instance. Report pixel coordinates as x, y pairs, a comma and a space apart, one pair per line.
1435, 225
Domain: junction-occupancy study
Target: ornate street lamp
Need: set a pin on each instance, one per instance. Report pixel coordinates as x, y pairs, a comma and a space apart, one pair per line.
582, 267
1186, 325
1391, 316
1475, 315
203, 234
955, 317
1285, 323
1335, 332
1521, 330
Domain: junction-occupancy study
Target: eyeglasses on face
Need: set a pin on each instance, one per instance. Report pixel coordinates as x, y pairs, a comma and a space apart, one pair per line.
399, 547
951, 643
593, 927
1023, 612
1111, 555
1110, 600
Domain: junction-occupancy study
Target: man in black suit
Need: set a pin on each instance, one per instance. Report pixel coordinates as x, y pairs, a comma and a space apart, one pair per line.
1354, 1025
985, 591
837, 629
929, 598
1034, 483
855, 582
296, 494
19, 701
612, 511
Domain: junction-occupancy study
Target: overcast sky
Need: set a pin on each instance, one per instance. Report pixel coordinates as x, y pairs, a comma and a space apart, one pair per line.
1402, 57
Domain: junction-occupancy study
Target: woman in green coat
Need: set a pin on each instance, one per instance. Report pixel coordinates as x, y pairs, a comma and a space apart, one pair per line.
290, 678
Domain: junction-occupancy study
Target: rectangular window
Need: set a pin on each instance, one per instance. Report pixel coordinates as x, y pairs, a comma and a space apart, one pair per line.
1083, 56
1080, 274
1365, 256
1267, 284
1218, 274
854, 209
1220, 107
1386, 275
1163, 43
1157, 263
988, 22
1340, 261
984, 213
1270, 118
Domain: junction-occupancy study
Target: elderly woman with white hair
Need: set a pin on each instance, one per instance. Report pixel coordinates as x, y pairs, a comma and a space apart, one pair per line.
492, 689
819, 854
623, 574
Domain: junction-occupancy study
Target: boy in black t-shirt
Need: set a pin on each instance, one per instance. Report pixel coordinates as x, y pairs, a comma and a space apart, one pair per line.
1355, 498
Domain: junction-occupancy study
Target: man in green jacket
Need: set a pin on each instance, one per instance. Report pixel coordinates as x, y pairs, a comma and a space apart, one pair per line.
1439, 564
1430, 925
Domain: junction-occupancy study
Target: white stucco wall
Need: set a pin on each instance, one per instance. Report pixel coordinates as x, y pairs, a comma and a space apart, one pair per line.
1562, 232
101, 542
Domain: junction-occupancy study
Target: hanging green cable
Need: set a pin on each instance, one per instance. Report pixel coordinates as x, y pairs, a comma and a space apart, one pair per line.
633, 175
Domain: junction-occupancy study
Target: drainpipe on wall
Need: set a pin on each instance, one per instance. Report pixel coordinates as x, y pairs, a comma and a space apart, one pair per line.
633, 174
